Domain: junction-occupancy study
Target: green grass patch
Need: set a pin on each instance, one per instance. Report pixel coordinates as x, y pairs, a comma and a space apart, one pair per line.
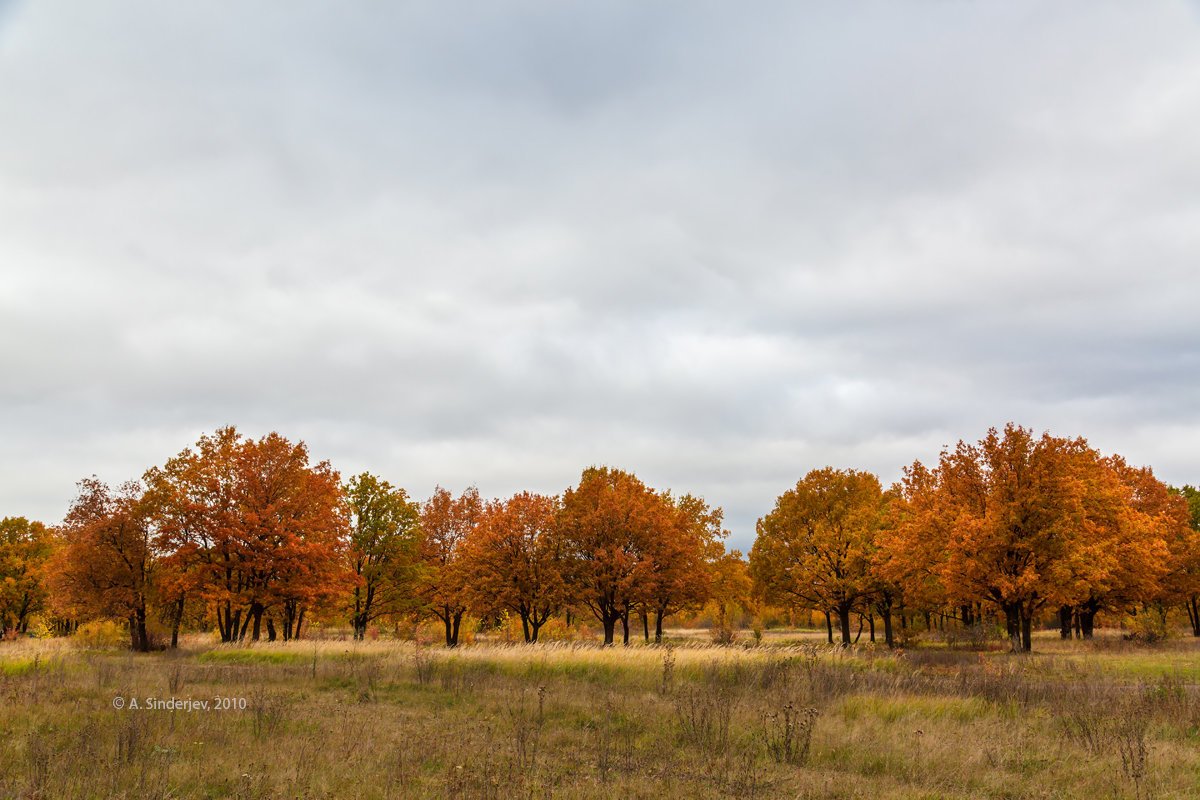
894, 709
253, 656
20, 666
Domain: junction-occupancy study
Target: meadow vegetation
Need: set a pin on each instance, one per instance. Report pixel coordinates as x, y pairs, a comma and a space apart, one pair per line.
401, 719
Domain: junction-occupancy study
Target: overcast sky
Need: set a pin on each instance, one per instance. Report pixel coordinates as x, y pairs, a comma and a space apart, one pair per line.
715, 244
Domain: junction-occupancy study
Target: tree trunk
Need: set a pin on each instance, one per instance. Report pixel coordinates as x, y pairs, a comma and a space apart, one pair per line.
534, 627
625, 626
227, 623
245, 624
1065, 615
299, 622
888, 638
967, 619
525, 627
658, 618
1087, 617
1193, 607
843, 613
270, 629
871, 622
829, 627
458, 615
609, 623
646, 625
256, 611
176, 621
447, 621
1026, 631
143, 637
1012, 624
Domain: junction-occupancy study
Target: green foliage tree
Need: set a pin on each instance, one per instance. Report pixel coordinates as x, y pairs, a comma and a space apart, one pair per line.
384, 550
1183, 579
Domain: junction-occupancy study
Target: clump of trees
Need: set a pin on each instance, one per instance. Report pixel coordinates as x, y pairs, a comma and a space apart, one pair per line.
1015, 524
250, 538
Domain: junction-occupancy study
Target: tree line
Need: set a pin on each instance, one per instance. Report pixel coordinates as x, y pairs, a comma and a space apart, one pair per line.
248, 538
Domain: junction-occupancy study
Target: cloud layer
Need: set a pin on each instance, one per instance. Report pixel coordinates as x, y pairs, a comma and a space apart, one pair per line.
493, 247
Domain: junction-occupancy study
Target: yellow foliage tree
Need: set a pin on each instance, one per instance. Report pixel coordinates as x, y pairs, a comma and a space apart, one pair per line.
815, 548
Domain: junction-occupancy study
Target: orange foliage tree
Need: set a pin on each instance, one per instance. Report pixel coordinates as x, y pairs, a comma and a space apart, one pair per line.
729, 585
253, 529
815, 549
105, 565
514, 560
446, 523
677, 566
24, 550
1125, 538
606, 523
1024, 522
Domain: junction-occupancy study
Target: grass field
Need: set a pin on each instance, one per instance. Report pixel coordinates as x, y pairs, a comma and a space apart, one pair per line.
389, 719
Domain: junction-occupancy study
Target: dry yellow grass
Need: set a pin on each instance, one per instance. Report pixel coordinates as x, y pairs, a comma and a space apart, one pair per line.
388, 719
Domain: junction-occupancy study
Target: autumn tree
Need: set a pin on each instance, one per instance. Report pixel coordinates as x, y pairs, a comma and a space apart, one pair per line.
677, 567
1121, 553
1016, 521
815, 548
908, 554
445, 523
251, 527
606, 523
514, 559
729, 586
193, 500
886, 592
383, 550
1182, 582
106, 564
24, 549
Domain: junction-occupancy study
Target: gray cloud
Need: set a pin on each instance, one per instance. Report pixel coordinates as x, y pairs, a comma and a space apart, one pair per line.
715, 247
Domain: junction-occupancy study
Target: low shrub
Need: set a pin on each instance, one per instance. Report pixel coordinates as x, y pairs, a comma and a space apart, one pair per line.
101, 635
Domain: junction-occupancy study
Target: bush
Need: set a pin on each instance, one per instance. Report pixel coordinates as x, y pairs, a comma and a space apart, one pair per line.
40, 630
556, 630
101, 635
1148, 626
723, 634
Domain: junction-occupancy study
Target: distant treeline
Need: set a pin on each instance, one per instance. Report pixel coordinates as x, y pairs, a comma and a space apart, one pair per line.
248, 538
